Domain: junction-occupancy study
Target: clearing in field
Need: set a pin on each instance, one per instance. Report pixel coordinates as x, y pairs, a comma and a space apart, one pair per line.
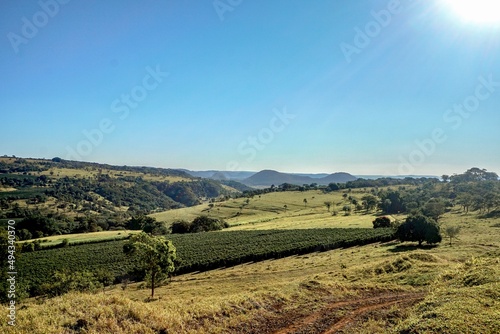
84, 237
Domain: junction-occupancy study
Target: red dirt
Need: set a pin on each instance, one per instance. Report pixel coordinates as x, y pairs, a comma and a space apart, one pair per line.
337, 316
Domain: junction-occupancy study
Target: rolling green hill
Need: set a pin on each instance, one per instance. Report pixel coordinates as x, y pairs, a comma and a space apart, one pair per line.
89, 197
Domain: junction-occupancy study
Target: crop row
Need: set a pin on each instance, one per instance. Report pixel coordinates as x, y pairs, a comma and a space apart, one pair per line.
195, 252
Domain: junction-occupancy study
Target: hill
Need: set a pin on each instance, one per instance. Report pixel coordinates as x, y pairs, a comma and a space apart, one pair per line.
267, 178
217, 174
62, 197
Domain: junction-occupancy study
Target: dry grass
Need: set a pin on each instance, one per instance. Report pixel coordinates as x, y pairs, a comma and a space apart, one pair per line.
268, 212
82, 237
461, 282
92, 173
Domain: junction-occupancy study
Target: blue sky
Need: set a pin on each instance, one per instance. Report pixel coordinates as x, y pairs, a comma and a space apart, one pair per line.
367, 87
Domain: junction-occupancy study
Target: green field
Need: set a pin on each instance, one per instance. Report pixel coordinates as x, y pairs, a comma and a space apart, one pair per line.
199, 251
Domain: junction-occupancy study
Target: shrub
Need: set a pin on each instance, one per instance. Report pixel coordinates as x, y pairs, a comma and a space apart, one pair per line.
180, 227
381, 222
199, 224
419, 228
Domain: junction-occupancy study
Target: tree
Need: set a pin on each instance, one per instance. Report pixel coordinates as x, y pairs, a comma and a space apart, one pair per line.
199, 224
369, 201
382, 222
286, 207
156, 255
305, 202
434, 208
155, 227
465, 200
206, 224
138, 222
180, 227
419, 228
452, 232
328, 205
333, 187
392, 202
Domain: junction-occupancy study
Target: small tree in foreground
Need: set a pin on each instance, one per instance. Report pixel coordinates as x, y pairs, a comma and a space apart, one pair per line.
156, 255
452, 232
419, 228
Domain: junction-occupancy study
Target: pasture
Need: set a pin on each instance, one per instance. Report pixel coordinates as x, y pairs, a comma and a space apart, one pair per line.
383, 287
268, 211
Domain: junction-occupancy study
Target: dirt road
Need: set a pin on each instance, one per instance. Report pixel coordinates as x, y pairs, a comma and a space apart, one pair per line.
338, 316
334, 317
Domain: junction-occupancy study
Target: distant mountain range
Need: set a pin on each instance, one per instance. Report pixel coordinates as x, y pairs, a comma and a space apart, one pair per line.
216, 174
269, 177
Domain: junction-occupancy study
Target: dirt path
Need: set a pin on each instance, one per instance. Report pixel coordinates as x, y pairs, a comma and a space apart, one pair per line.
339, 315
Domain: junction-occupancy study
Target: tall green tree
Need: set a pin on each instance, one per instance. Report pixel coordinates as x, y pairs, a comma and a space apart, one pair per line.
156, 255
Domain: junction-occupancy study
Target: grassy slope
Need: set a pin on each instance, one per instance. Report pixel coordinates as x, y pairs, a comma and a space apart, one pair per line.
82, 173
268, 212
83, 237
461, 283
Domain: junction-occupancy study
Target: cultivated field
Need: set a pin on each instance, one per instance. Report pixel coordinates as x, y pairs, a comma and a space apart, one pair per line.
382, 288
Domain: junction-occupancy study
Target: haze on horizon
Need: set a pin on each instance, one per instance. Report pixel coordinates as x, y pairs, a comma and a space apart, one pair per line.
364, 87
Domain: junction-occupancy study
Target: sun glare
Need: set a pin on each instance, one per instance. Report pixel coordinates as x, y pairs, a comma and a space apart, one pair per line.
477, 11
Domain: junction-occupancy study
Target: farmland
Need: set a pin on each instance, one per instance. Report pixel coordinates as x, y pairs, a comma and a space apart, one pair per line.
443, 289
290, 261
201, 251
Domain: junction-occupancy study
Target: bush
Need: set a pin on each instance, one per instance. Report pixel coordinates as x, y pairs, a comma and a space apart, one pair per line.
419, 228
66, 281
381, 222
205, 224
180, 227
28, 247
199, 224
